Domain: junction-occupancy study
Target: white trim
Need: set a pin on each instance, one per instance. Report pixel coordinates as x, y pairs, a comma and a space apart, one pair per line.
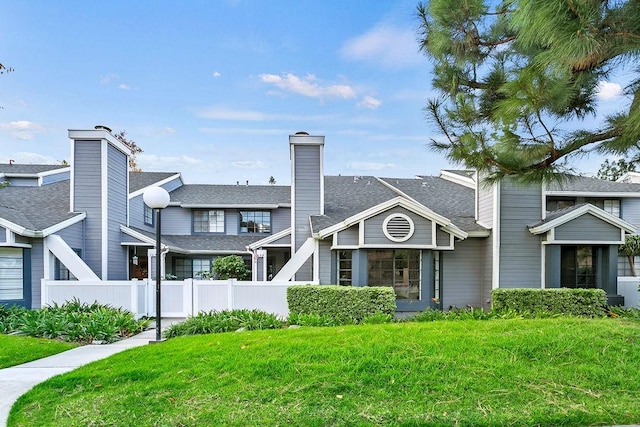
585, 209
479, 233
72, 176
458, 179
397, 190
155, 184
64, 224
226, 206
321, 153
9, 236
71, 260
495, 273
361, 233
22, 231
543, 195
316, 262
296, 261
434, 232
104, 197
15, 245
293, 195
391, 217
543, 267
583, 242
476, 197
98, 135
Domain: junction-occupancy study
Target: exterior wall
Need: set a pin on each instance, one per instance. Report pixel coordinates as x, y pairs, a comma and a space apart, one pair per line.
117, 197
37, 271
280, 219
349, 237
231, 222
325, 263
442, 238
3, 235
462, 273
307, 189
74, 236
136, 215
485, 204
487, 270
176, 220
520, 251
587, 228
22, 182
630, 211
87, 198
57, 177
373, 229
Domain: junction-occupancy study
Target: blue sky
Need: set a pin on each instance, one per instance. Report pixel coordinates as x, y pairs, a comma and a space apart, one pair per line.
212, 89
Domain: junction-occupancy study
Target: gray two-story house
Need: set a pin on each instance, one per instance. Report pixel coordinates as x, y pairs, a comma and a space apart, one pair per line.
439, 241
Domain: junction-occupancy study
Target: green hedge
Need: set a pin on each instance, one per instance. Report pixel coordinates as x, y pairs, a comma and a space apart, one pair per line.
345, 304
574, 302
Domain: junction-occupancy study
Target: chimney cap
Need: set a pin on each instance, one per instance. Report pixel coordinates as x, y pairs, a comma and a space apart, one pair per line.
302, 133
102, 127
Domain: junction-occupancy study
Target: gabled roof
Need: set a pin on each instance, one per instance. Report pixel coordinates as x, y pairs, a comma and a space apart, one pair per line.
32, 210
231, 196
590, 186
562, 216
140, 180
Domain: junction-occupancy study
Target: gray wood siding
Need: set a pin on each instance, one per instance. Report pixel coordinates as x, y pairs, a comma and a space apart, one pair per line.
87, 198
485, 204
280, 219
117, 196
487, 269
373, 234
74, 236
22, 182
630, 211
306, 198
286, 240
57, 177
587, 228
3, 235
520, 251
325, 262
176, 220
442, 238
172, 185
136, 214
231, 222
37, 271
350, 236
462, 273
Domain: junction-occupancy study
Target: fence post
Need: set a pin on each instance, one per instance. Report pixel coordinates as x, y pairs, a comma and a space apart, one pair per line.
133, 283
44, 292
187, 295
230, 294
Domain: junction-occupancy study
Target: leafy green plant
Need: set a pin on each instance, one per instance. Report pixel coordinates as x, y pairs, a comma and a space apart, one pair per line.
624, 312
224, 321
572, 302
230, 267
630, 249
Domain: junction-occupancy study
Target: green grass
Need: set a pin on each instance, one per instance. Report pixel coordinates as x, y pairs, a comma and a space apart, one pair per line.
17, 350
559, 371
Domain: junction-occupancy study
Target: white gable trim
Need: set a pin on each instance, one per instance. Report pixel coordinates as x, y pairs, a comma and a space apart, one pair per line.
410, 205
586, 209
598, 194
22, 231
270, 239
155, 184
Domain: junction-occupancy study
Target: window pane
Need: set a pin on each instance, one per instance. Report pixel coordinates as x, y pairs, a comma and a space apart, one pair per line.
11, 267
344, 268
208, 221
399, 269
148, 215
201, 266
255, 221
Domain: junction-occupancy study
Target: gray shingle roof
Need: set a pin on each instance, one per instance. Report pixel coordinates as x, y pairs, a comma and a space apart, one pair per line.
6, 168
228, 195
585, 184
205, 242
140, 180
36, 208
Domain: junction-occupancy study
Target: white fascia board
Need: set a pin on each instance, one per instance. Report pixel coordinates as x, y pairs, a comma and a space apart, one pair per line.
458, 179
586, 209
583, 242
22, 231
227, 206
497, 229
479, 233
375, 210
270, 239
155, 184
104, 202
136, 235
72, 176
602, 194
99, 134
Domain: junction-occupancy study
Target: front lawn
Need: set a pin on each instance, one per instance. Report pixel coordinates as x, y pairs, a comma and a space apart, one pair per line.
17, 350
559, 371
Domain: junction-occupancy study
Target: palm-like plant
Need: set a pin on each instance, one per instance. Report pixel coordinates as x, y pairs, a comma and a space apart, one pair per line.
631, 248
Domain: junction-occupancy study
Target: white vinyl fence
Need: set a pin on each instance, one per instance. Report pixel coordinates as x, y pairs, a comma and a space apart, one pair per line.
628, 288
179, 298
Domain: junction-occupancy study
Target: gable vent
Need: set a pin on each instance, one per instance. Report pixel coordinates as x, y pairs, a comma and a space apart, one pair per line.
398, 227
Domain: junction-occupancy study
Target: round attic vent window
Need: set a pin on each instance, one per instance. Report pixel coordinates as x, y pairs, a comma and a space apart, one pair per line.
398, 227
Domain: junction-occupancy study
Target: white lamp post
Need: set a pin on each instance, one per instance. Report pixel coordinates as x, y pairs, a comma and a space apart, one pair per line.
157, 198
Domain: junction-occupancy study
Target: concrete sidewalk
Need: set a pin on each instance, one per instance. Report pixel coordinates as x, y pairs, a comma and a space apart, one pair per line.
17, 380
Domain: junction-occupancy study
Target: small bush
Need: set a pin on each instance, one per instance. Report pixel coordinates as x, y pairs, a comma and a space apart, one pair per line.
230, 267
573, 302
624, 312
312, 320
224, 321
72, 321
345, 304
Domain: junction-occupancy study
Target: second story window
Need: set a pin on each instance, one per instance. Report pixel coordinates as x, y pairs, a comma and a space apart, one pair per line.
612, 207
148, 215
208, 221
255, 222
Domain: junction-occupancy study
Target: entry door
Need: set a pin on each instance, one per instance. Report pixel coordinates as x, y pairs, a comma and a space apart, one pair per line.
578, 266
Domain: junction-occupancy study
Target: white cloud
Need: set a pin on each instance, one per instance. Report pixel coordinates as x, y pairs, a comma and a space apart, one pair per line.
607, 90
21, 129
28, 158
308, 86
388, 45
370, 166
151, 162
249, 164
216, 74
369, 102
124, 87
108, 78
164, 131
217, 112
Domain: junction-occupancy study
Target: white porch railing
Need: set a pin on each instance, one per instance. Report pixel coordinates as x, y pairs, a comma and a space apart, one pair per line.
179, 298
628, 288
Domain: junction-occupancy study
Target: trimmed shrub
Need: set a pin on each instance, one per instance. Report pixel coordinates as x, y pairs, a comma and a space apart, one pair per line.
230, 267
573, 302
344, 304
224, 321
